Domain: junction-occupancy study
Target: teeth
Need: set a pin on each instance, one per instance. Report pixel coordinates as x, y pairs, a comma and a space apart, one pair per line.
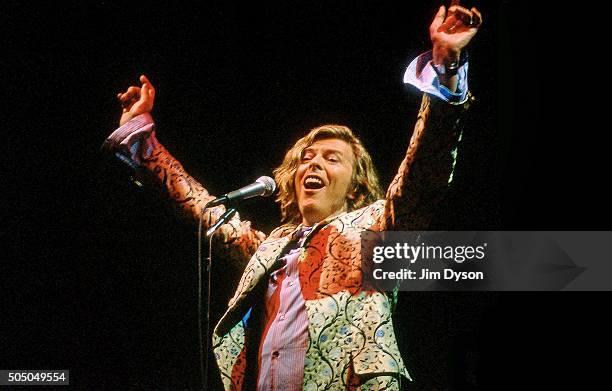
314, 181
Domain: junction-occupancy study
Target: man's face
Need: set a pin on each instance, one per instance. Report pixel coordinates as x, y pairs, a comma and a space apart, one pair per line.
323, 178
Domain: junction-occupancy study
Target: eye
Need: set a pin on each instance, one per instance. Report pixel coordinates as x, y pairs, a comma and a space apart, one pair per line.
307, 153
333, 158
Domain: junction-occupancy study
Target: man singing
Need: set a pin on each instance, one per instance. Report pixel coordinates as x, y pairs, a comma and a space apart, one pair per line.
301, 317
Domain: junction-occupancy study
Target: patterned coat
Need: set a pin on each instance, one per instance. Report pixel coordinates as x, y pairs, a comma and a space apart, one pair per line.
351, 336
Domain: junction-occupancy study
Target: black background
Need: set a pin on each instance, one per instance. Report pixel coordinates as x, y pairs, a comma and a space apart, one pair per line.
99, 277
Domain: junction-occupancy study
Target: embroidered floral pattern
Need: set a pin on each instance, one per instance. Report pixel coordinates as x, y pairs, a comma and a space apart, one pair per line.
350, 328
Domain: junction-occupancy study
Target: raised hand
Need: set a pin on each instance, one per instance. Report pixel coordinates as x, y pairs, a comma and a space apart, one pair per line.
451, 31
136, 100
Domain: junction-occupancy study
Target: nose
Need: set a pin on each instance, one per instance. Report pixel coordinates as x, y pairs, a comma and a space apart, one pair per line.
316, 162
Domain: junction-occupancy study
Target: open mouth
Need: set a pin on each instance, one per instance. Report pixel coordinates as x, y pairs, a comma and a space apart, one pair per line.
312, 182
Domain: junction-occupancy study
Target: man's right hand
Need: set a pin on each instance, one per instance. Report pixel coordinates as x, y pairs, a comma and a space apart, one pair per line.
136, 100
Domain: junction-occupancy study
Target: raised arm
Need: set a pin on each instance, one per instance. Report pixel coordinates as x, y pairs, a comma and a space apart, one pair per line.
135, 143
426, 171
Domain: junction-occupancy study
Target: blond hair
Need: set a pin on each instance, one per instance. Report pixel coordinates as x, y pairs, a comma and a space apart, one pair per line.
364, 187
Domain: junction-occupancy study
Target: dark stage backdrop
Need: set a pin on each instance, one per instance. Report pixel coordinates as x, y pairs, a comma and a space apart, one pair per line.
99, 277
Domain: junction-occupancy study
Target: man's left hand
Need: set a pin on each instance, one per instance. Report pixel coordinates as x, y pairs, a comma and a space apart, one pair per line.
451, 31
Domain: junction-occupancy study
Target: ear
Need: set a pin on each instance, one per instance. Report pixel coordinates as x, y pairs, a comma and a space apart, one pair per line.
351, 195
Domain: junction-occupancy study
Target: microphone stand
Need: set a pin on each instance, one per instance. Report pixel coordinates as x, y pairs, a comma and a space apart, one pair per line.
209, 233
224, 217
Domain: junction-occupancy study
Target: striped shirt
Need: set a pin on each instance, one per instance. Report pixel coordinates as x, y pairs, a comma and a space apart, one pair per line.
285, 337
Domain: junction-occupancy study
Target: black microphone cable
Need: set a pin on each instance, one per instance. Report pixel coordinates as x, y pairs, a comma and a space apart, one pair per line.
204, 352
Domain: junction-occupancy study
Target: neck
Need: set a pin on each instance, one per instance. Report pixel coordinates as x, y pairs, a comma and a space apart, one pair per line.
309, 221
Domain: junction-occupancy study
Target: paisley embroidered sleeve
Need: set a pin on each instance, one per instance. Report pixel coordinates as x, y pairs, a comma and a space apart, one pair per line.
136, 145
427, 168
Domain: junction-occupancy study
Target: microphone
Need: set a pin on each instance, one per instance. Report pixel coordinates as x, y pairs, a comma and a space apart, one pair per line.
264, 186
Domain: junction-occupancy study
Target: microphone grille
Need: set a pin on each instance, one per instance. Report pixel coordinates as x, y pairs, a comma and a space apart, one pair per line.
269, 185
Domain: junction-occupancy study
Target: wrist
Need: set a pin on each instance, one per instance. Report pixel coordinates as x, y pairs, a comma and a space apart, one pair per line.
448, 66
125, 117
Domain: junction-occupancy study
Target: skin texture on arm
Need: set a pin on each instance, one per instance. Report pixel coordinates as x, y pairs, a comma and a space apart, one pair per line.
236, 239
